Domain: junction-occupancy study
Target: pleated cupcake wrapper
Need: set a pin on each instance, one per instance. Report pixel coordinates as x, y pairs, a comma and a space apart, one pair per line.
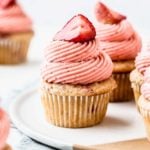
146, 117
145, 114
137, 93
13, 51
75, 111
123, 92
147, 126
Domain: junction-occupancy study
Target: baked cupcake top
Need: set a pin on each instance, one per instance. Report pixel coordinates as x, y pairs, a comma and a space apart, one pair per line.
73, 56
4, 128
12, 18
116, 35
142, 61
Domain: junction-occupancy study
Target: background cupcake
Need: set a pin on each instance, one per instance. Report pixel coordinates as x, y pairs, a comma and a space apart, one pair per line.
121, 42
15, 33
142, 62
4, 129
136, 79
76, 77
144, 101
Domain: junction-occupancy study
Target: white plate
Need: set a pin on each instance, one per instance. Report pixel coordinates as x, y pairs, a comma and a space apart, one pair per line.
122, 122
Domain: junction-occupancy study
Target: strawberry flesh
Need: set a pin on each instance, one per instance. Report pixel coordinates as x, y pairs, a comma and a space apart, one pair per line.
6, 3
106, 15
78, 29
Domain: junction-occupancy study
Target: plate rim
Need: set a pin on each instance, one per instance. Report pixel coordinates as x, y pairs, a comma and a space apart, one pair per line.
53, 142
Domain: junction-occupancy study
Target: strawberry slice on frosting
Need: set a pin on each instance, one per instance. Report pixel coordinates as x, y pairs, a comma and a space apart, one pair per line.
77, 29
107, 15
6, 3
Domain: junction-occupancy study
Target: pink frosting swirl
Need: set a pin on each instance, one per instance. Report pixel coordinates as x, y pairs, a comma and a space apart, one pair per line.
142, 61
4, 128
60, 51
120, 41
145, 90
75, 63
13, 19
147, 75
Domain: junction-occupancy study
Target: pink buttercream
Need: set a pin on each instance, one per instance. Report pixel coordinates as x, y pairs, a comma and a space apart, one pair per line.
120, 41
145, 88
60, 51
4, 128
75, 63
142, 60
146, 76
13, 19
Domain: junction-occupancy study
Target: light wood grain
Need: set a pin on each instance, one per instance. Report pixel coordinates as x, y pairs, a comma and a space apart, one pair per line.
138, 144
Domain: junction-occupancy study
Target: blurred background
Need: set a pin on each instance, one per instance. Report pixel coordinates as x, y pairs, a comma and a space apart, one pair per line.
49, 16
54, 14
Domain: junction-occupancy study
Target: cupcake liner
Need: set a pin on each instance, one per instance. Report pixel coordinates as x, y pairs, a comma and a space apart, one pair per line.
144, 106
123, 92
13, 49
147, 125
74, 111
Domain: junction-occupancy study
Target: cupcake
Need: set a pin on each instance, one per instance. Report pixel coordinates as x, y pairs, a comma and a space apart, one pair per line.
76, 77
4, 129
122, 43
136, 79
142, 62
15, 33
144, 101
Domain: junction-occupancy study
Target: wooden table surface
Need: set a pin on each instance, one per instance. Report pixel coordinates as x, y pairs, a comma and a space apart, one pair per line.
138, 144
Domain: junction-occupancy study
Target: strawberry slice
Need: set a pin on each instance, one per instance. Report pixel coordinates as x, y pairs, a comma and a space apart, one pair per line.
106, 15
77, 29
6, 3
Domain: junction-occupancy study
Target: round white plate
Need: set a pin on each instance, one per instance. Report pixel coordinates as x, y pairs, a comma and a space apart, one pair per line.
122, 122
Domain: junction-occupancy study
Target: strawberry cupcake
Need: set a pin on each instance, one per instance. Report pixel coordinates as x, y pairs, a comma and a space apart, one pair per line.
142, 62
136, 79
144, 101
122, 43
15, 33
4, 130
76, 77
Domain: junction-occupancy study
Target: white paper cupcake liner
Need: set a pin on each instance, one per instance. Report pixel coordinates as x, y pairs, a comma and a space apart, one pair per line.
13, 50
74, 111
144, 106
123, 92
